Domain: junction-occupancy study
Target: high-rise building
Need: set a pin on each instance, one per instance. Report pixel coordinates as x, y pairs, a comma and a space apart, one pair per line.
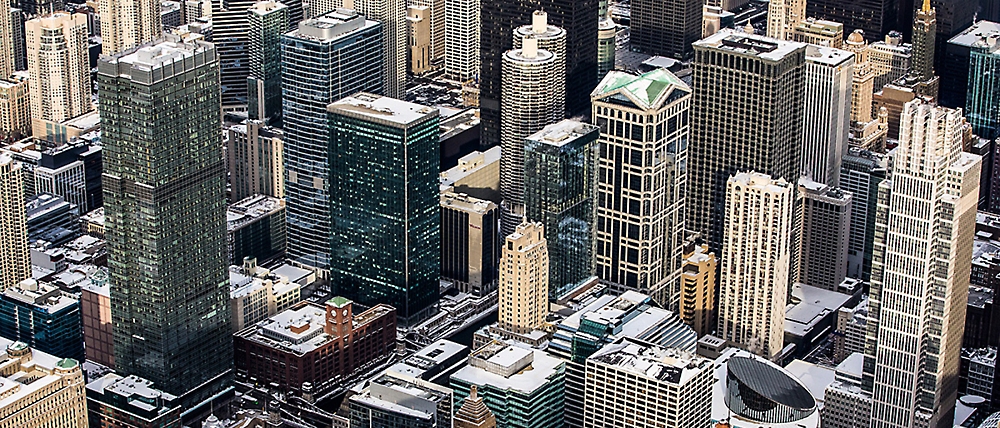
326, 59
418, 19
55, 396
535, 92
268, 20
607, 32
500, 19
18, 18
15, 109
819, 32
230, 33
866, 131
437, 16
470, 243
169, 288
783, 17
524, 280
924, 46
746, 115
957, 60
635, 383
860, 174
984, 87
391, 14
461, 59
473, 413
548, 37
665, 27
697, 304
923, 242
44, 317
385, 203
825, 214
255, 228
559, 192
254, 160
874, 17
755, 263
827, 112
642, 161
15, 265
7, 41
890, 59
60, 71
126, 24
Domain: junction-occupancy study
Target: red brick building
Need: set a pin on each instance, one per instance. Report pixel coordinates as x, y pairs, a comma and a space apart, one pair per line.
309, 343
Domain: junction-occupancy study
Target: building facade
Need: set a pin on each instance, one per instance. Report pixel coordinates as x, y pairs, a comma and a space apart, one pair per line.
825, 229
524, 280
922, 257
127, 24
984, 87
665, 28
43, 317
698, 282
230, 33
256, 228
755, 263
166, 271
15, 109
461, 58
347, 51
267, 21
254, 160
399, 401
559, 192
317, 347
385, 203
59, 67
826, 112
783, 17
55, 397
639, 247
764, 81
391, 14
470, 243
15, 265
116, 401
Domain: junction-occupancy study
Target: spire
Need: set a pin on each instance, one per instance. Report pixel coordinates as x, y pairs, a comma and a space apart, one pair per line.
926, 7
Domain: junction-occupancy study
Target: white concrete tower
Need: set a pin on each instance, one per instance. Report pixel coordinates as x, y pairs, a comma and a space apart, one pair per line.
826, 112
924, 230
755, 262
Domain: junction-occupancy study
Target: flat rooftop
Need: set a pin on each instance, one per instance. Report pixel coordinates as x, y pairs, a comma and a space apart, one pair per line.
563, 132
663, 364
380, 108
759, 46
977, 34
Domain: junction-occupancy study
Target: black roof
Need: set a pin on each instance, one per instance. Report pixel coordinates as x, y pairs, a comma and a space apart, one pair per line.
771, 383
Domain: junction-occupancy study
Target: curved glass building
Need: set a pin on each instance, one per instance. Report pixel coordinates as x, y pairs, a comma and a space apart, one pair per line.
764, 393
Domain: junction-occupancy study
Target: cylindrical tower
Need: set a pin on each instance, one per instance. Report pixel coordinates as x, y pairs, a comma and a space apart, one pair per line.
605, 46
549, 37
534, 94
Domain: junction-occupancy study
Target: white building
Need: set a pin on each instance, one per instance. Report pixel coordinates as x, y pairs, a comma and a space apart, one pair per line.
392, 15
920, 277
68, 181
632, 383
641, 180
461, 59
256, 294
826, 112
126, 24
755, 263
549, 37
60, 84
867, 131
524, 280
845, 403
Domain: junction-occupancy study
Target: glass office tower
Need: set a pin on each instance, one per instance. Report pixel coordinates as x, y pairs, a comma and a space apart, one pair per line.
385, 203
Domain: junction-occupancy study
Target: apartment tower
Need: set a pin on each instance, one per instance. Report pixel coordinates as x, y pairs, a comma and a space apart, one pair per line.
924, 229
391, 14
524, 280
461, 39
15, 263
60, 72
755, 263
126, 24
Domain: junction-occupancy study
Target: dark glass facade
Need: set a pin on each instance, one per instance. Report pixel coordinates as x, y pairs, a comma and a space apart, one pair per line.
317, 71
984, 92
875, 17
665, 28
499, 19
56, 329
559, 187
385, 203
165, 207
264, 83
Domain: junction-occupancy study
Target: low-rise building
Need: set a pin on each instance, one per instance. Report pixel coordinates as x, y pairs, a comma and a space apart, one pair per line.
477, 175
95, 310
255, 294
315, 348
40, 390
44, 317
116, 401
752, 392
399, 401
845, 402
811, 315
256, 227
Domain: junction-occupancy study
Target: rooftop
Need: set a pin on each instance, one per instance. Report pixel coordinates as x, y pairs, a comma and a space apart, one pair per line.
332, 26
563, 132
815, 377
27, 379
648, 90
460, 201
979, 34
137, 391
762, 47
526, 380
301, 328
41, 296
380, 108
808, 305
671, 365
470, 164
250, 209
828, 56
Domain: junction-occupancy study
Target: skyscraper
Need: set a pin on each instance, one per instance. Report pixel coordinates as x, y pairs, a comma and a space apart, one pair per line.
230, 26
524, 280
499, 20
984, 88
783, 16
385, 204
825, 214
126, 24
860, 174
7, 41
535, 93
890, 59
461, 59
755, 263
641, 181
15, 265
326, 59
746, 114
920, 282
559, 192
665, 27
268, 20
549, 37
470, 244
606, 39
254, 161
15, 108
827, 112
438, 24
866, 131
875, 17
60, 72
162, 169
391, 14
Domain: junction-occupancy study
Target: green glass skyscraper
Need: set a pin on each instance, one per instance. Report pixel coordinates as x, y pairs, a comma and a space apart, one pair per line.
984, 89
384, 199
559, 187
165, 207
268, 21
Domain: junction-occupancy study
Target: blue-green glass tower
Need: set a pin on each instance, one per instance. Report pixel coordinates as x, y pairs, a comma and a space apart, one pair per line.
44, 317
325, 59
385, 204
559, 188
267, 21
982, 103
